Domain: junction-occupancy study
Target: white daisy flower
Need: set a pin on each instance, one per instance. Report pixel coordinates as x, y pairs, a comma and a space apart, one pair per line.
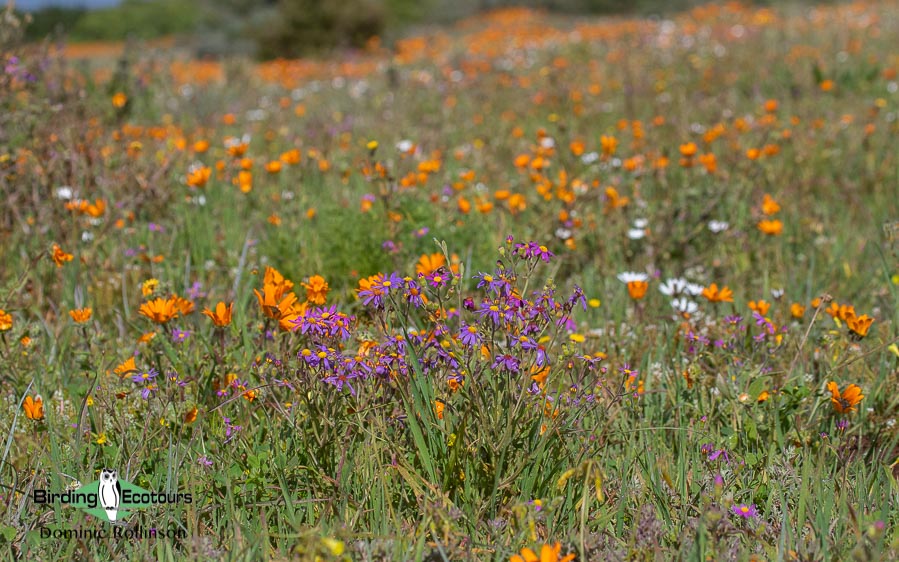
718, 226
631, 276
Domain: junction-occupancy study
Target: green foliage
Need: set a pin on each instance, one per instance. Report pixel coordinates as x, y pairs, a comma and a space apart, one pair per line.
139, 19
309, 26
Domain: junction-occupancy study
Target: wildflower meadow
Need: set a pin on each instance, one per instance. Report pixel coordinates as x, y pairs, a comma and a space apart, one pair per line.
520, 287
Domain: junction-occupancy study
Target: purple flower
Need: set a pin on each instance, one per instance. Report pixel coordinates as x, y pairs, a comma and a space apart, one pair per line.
196, 291
491, 309
204, 461
148, 391
745, 511
179, 336
534, 250
469, 335
509, 362
145, 376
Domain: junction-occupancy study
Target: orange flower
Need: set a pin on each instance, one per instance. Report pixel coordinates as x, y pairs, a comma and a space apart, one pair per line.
119, 100
439, 406
183, 306
190, 416
428, 264
222, 315
126, 368
34, 407
159, 310
81, 315
197, 176
5, 321
547, 554
827, 85
848, 400
274, 301
317, 289
714, 294
797, 310
201, 146
59, 256
761, 307
608, 144
637, 289
770, 206
273, 277
273, 167
688, 150
771, 227
859, 325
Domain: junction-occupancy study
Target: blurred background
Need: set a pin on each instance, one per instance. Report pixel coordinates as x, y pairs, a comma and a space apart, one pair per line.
268, 29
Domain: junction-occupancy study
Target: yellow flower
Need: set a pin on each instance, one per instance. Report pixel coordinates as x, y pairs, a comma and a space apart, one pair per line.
80, 315
848, 400
149, 286
34, 407
221, 317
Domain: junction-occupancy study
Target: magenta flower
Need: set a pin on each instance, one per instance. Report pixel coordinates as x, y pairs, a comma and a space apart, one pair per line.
745, 511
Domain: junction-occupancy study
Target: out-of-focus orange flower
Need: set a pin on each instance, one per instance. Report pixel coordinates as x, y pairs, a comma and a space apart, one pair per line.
760, 306
797, 310
769, 205
198, 175
714, 294
429, 263
637, 289
547, 554
771, 227
119, 100
59, 256
81, 315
